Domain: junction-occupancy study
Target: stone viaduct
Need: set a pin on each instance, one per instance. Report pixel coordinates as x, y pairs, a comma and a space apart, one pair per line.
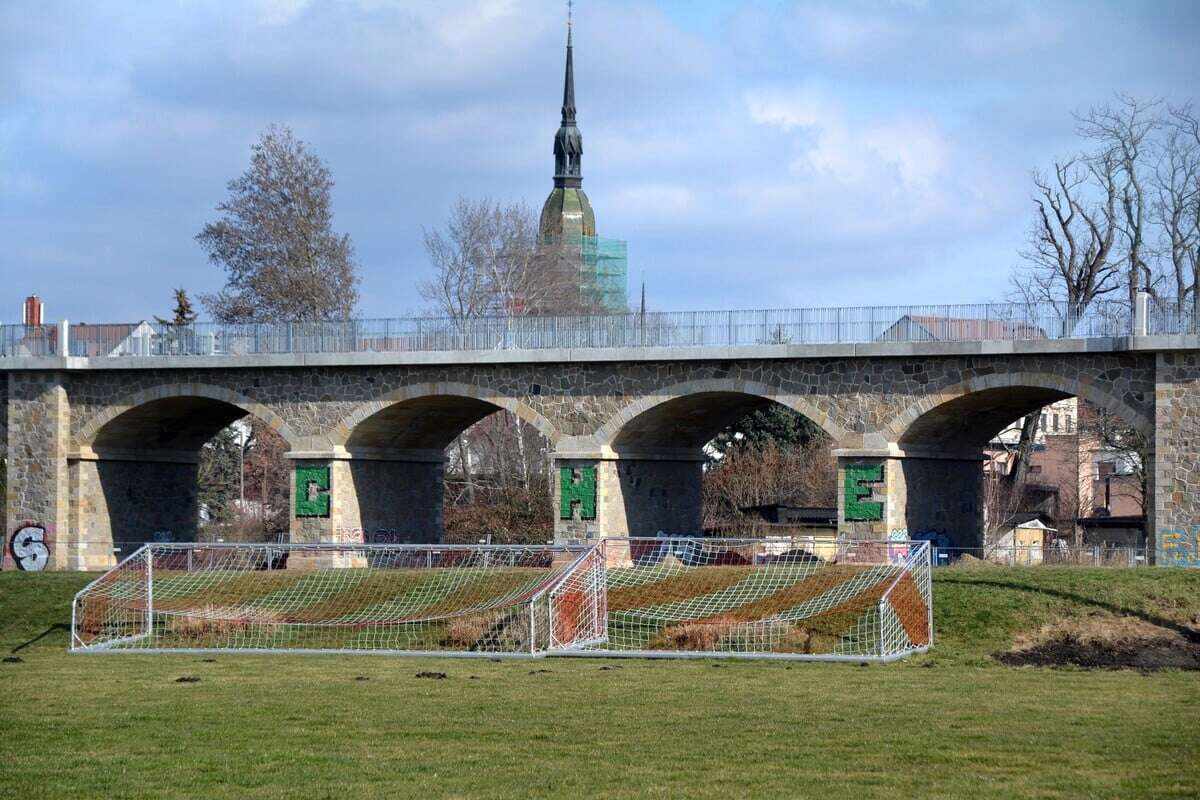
103, 451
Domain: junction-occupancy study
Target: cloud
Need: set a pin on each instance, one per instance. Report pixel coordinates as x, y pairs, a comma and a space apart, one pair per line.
772, 155
863, 174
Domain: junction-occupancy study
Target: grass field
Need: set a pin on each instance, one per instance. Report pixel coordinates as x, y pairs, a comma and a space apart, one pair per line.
953, 723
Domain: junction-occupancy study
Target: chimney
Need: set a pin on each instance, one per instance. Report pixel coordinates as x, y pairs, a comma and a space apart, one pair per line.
33, 311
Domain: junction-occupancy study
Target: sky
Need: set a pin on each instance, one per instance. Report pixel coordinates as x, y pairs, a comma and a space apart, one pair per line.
756, 154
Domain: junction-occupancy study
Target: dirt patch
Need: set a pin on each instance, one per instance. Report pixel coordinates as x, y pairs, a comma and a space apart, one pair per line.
1101, 641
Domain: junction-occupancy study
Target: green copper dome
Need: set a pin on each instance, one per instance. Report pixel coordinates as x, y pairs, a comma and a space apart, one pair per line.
567, 216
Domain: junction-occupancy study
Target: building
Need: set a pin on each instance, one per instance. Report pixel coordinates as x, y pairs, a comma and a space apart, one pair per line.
1076, 474
922, 328
567, 227
1023, 539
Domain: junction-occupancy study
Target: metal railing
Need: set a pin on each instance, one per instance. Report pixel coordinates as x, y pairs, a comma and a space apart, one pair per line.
28, 340
1049, 555
1168, 317
850, 325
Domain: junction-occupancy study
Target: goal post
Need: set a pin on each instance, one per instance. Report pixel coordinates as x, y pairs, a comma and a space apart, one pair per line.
806, 598
800, 598
118, 604
438, 599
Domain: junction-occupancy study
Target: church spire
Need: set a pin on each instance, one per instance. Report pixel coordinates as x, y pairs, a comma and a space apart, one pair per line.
567, 214
568, 106
568, 142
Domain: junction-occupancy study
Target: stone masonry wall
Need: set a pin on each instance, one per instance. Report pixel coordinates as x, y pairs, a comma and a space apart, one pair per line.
37, 481
850, 396
863, 402
1177, 460
396, 501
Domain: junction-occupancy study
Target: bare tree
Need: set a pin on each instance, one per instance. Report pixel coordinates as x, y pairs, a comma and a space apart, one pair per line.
1175, 210
1108, 434
487, 261
1123, 132
282, 262
275, 240
768, 473
1069, 257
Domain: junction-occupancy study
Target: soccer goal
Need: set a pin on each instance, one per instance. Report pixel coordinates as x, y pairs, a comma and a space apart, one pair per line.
439, 599
812, 599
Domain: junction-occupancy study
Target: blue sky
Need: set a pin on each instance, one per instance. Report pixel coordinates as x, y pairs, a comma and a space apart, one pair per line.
754, 154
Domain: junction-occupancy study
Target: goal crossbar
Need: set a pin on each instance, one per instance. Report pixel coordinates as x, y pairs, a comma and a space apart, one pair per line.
799, 598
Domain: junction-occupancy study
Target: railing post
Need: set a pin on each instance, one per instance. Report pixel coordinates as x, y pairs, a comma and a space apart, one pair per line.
1141, 308
64, 340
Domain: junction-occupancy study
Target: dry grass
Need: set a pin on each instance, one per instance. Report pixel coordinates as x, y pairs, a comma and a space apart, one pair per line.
468, 631
681, 586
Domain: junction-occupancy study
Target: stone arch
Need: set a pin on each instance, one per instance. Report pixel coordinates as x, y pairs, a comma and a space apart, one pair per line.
137, 463
1041, 389
342, 433
89, 430
607, 434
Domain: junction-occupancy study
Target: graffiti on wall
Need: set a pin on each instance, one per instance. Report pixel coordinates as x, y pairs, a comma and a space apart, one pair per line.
1179, 547
358, 535
858, 480
312, 491
30, 547
577, 489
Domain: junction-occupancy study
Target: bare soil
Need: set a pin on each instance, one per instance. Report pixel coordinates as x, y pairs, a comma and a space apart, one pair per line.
1103, 641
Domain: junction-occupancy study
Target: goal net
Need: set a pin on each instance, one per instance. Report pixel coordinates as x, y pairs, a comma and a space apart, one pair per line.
815, 599
825, 599
359, 598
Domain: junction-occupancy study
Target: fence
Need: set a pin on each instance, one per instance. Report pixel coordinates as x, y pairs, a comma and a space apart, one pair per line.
1050, 555
1168, 316
827, 600
28, 340
852, 325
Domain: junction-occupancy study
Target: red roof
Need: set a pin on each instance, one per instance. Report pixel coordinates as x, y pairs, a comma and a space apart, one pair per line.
961, 329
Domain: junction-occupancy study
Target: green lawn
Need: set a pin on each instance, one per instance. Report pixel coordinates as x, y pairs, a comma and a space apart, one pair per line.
949, 724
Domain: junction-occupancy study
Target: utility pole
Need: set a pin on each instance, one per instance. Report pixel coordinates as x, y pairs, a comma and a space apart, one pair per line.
241, 471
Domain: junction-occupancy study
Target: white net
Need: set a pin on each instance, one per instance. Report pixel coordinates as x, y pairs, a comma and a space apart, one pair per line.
372, 598
809, 599
814, 598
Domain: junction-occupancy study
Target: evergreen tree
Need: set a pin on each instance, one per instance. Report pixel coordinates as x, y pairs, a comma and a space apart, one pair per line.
183, 314
218, 475
776, 423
